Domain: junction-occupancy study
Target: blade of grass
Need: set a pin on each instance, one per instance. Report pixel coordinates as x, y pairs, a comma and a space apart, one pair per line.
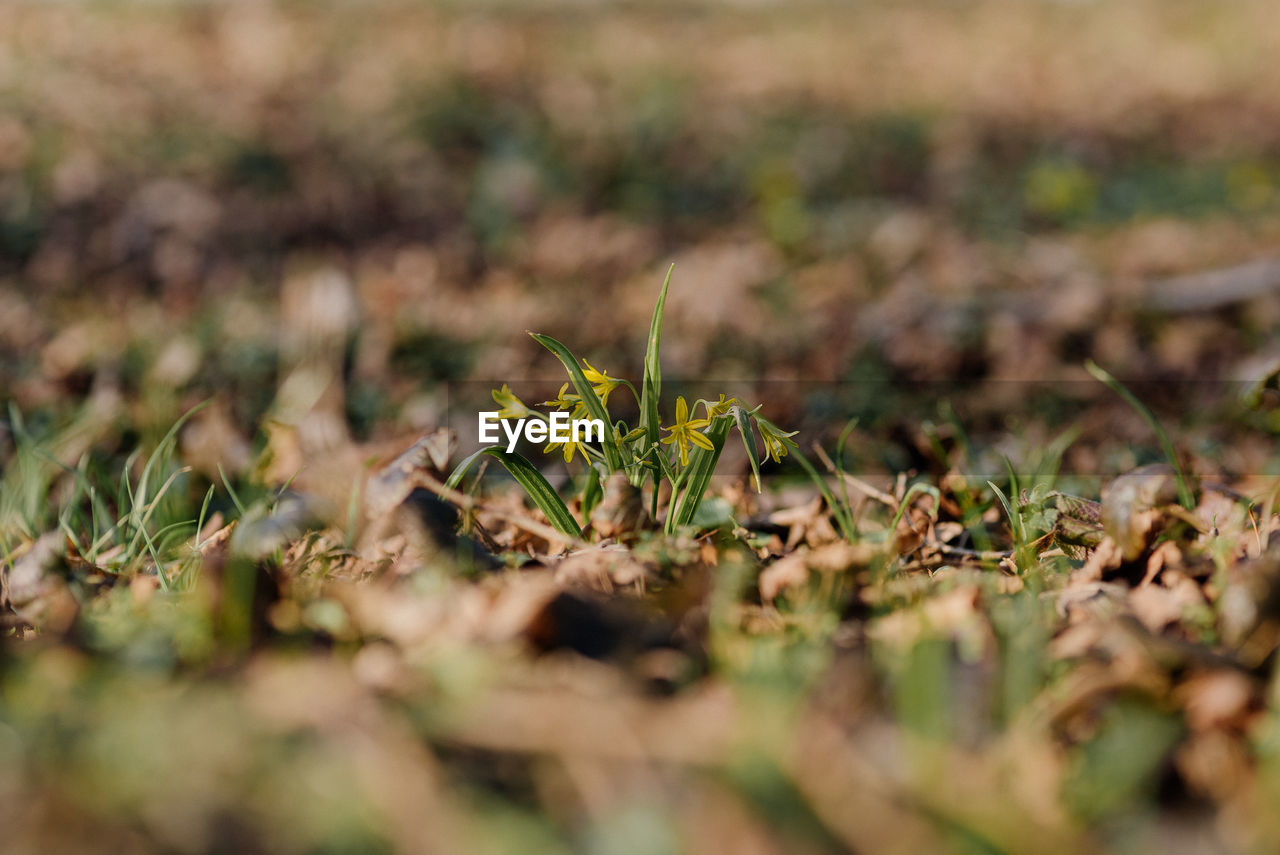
747, 432
1050, 461
1015, 490
839, 461
149, 509
913, 491
1015, 520
1185, 496
164, 448
204, 510
235, 497
841, 513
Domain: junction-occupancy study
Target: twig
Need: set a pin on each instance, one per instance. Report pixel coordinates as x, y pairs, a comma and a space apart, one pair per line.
1213, 289
856, 483
992, 555
520, 521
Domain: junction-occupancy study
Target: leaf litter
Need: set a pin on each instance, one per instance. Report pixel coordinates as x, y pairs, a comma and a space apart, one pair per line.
350, 655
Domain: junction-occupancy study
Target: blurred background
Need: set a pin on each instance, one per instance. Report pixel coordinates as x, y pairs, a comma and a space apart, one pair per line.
895, 204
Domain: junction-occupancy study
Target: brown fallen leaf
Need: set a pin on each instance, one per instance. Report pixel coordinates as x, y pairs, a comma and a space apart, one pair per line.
1105, 557
1214, 763
798, 521
840, 556
1220, 698
600, 567
393, 483
1156, 606
789, 571
1091, 599
1167, 554
36, 588
1129, 506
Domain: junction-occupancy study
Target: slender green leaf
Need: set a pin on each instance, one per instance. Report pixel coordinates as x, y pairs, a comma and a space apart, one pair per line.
231, 492
651, 385
1185, 496
164, 448
697, 475
592, 492
144, 514
455, 477
664, 464
747, 433
843, 439
913, 491
1015, 521
613, 458
528, 477
1015, 489
839, 461
204, 510
841, 512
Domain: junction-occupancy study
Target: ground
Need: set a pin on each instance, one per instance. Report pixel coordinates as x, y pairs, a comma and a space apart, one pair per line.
1006, 268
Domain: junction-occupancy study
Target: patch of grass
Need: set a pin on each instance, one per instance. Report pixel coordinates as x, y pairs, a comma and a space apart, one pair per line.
122, 518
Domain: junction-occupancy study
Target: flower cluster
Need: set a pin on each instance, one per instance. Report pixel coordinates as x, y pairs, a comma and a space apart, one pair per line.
683, 453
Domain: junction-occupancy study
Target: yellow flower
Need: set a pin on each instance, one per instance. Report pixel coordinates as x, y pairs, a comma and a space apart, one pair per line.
685, 432
776, 440
601, 383
569, 447
566, 400
512, 407
720, 407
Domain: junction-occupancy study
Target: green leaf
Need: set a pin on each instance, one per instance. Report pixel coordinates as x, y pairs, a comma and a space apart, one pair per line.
592, 493
613, 458
665, 465
1015, 521
456, 476
1185, 496
749, 442
143, 503
528, 477
843, 439
1014, 489
840, 511
839, 461
713, 512
913, 491
651, 385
